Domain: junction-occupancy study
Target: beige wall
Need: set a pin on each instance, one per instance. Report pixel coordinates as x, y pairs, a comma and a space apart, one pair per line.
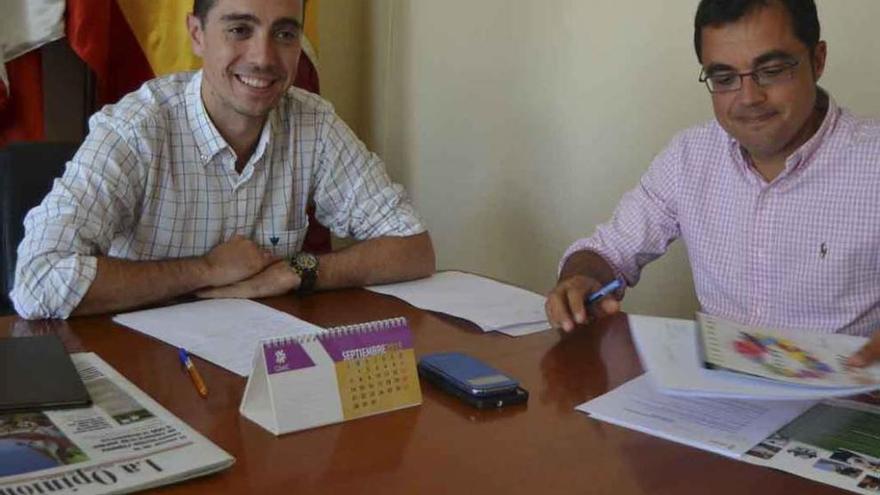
517, 124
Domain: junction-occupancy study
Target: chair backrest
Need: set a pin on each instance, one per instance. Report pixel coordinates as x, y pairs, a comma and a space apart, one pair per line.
27, 171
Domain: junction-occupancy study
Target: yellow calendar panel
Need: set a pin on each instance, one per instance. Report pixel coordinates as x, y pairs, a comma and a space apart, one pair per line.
369, 385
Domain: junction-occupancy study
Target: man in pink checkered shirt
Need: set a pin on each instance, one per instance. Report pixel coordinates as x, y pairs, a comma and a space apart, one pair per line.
777, 199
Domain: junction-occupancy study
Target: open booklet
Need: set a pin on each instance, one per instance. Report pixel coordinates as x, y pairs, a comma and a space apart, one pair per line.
670, 351
124, 442
796, 357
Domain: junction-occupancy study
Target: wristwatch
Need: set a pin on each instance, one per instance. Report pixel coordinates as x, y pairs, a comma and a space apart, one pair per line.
306, 266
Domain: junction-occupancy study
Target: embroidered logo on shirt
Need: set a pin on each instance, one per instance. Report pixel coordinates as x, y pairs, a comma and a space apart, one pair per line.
823, 251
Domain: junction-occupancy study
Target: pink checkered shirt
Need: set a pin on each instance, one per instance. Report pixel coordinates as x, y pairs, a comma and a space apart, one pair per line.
800, 252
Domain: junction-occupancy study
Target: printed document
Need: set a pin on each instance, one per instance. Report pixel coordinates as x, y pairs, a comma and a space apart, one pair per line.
491, 305
835, 442
798, 357
225, 332
669, 350
729, 427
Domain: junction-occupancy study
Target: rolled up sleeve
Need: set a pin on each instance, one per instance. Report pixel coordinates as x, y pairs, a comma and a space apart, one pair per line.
75, 222
644, 223
353, 193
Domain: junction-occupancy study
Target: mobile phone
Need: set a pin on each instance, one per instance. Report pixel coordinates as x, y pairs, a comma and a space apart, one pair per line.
466, 374
518, 395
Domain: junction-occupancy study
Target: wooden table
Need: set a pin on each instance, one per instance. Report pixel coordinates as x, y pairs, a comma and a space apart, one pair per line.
442, 446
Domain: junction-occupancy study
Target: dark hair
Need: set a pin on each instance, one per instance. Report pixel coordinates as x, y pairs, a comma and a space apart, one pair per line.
803, 15
201, 9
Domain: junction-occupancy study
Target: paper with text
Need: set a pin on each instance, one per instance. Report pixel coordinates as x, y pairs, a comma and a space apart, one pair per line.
729, 427
492, 305
222, 331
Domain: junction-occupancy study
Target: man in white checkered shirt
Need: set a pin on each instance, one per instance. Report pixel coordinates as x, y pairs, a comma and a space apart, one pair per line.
777, 199
198, 183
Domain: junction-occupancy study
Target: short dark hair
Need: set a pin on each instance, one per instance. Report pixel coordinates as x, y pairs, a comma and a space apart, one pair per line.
804, 18
201, 9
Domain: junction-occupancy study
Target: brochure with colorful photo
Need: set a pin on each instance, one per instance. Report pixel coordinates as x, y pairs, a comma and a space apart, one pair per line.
796, 357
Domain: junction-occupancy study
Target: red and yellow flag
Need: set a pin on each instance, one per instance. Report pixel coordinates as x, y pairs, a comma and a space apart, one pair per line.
127, 42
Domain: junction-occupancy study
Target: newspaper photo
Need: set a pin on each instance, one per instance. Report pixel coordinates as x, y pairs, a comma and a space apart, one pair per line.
124, 442
836, 442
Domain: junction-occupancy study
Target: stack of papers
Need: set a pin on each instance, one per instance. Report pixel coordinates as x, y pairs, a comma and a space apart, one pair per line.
807, 358
491, 305
670, 352
766, 412
729, 427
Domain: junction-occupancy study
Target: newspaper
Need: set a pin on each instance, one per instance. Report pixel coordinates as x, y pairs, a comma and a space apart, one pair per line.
836, 442
124, 442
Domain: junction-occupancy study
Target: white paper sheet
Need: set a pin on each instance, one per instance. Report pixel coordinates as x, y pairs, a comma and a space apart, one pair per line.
223, 331
669, 351
729, 427
489, 304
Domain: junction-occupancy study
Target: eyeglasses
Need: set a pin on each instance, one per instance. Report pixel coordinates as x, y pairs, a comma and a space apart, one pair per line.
727, 81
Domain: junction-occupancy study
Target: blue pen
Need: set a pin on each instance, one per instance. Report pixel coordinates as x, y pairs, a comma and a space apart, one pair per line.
604, 291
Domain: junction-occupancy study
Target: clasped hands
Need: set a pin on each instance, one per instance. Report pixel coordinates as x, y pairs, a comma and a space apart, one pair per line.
240, 268
566, 309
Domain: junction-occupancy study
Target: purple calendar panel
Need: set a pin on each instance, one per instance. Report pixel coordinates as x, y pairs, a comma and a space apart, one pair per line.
360, 344
284, 356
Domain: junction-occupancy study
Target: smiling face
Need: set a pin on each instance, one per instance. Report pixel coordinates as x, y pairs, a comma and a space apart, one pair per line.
769, 122
250, 51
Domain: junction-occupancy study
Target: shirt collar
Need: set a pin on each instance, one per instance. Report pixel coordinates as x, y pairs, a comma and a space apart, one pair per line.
801, 156
207, 137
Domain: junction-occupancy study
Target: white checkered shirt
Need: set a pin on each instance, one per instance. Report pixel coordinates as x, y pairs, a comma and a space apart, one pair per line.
155, 180
802, 252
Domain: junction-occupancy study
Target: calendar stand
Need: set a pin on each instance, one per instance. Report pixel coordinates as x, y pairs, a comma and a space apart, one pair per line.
341, 374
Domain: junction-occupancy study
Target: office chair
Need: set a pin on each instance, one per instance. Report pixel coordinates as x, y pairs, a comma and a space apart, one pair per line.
27, 171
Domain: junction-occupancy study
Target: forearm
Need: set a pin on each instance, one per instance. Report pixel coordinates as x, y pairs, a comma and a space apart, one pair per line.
377, 261
588, 264
122, 284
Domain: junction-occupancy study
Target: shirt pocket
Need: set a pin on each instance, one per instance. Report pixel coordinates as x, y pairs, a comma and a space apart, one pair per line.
286, 243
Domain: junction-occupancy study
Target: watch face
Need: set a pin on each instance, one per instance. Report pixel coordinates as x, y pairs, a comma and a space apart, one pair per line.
307, 261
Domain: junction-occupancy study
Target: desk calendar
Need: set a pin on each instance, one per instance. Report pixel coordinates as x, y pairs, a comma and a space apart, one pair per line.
343, 373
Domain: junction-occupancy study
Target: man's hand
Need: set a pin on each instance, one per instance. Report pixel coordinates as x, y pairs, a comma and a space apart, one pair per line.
275, 280
565, 303
235, 260
867, 355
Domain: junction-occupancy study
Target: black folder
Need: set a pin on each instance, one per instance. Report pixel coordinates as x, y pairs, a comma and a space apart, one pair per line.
37, 374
